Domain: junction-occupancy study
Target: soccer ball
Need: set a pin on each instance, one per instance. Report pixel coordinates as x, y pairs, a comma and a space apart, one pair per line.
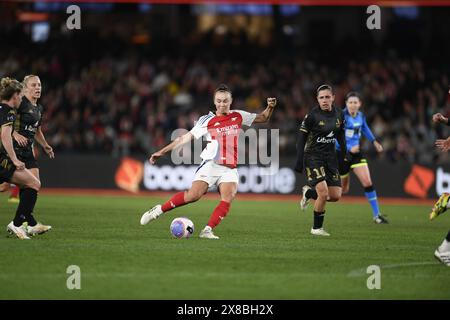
181, 227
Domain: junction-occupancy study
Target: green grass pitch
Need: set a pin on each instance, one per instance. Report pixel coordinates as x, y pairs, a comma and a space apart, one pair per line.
265, 252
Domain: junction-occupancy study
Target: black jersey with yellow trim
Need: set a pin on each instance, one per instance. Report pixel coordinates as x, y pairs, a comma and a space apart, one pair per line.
28, 120
323, 129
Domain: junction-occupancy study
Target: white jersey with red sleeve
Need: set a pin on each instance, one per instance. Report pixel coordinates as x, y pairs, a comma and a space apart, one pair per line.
222, 135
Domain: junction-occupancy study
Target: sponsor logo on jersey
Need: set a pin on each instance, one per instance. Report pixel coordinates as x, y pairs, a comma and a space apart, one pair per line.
325, 140
321, 123
227, 128
32, 127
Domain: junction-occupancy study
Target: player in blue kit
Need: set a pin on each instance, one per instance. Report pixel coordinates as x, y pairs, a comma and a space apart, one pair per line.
356, 127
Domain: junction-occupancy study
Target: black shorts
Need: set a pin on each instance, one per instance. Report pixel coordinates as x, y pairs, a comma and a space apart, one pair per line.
357, 159
322, 168
7, 169
26, 155
30, 161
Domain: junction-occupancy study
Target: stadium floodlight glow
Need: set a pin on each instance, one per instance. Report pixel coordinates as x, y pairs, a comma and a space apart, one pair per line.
40, 31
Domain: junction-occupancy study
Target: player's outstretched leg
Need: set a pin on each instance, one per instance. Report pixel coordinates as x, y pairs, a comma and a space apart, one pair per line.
217, 216
442, 253
154, 213
227, 193
197, 190
440, 206
151, 214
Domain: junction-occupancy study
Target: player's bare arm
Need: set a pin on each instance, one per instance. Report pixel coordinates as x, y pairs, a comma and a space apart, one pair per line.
21, 140
174, 144
8, 145
40, 138
267, 113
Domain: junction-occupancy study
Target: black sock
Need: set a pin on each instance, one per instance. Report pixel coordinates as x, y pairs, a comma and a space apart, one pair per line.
318, 219
28, 199
311, 194
369, 189
17, 220
448, 237
22, 216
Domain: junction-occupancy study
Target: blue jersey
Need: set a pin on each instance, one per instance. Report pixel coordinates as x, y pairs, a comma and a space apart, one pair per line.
354, 127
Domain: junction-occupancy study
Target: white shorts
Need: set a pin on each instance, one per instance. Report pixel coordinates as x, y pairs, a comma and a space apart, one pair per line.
214, 174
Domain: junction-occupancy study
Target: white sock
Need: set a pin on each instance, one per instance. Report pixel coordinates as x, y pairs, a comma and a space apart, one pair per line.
445, 246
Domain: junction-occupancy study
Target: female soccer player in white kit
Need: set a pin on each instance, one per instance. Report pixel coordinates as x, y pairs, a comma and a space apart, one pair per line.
219, 158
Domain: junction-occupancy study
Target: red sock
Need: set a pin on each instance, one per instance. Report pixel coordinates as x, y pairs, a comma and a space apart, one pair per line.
176, 201
219, 213
15, 192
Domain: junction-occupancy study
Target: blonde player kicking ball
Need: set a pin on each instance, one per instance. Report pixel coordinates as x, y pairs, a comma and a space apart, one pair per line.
219, 158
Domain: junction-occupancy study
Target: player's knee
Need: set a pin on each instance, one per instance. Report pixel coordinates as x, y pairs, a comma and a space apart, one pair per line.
229, 197
335, 195
34, 184
334, 198
322, 194
193, 195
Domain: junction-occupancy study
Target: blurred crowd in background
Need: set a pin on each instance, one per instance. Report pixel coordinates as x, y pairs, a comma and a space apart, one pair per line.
109, 97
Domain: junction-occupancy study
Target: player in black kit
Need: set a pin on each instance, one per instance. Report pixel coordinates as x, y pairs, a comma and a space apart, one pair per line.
12, 170
27, 130
27, 127
316, 153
